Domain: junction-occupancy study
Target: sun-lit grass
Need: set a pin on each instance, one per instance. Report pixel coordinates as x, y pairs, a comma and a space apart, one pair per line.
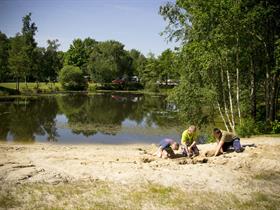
32, 85
106, 195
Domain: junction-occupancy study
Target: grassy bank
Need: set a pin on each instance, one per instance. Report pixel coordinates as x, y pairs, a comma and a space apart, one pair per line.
105, 195
42, 87
29, 88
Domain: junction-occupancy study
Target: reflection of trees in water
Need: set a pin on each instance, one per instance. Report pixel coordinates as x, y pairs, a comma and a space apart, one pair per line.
94, 113
28, 117
23, 118
156, 110
4, 122
88, 115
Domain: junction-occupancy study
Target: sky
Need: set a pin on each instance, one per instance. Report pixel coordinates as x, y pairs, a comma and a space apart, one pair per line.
135, 23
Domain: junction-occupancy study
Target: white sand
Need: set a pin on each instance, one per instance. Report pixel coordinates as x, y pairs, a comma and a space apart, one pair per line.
132, 164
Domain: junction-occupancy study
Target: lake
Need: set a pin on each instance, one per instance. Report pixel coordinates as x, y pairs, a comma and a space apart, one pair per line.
107, 118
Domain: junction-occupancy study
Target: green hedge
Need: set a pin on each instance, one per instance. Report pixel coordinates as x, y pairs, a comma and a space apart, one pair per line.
126, 86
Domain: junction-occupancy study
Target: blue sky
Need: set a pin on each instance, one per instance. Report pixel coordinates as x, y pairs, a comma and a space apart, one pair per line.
135, 23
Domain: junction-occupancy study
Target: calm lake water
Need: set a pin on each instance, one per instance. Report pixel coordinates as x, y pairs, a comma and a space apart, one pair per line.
100, 118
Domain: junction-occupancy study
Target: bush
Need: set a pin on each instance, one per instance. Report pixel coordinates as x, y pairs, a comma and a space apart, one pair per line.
110, 86
247, 128
133, 86
275, 126
152, 86
126, 86
71, 78
92, 87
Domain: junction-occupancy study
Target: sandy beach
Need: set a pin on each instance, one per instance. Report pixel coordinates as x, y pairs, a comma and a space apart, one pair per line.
56, 176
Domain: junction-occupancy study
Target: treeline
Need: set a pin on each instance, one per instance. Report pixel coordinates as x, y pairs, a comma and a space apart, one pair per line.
229, 59
21, 60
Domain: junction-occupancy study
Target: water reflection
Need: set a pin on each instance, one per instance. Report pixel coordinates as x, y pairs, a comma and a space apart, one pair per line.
23, 118
106, 118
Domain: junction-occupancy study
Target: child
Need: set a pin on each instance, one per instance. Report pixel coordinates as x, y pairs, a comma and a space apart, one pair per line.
166, 147
225, 140
188, 142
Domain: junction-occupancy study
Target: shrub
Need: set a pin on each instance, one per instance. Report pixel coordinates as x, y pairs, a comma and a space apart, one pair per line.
133, 86
275, 126
126, 86
110, 86
152, 86
71, 78
92, 87
247, 128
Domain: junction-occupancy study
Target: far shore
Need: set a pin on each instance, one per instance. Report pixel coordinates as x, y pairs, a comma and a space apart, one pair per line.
127, 176
9, 90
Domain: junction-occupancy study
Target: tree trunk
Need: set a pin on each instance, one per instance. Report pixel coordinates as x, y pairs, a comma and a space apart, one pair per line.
273, 97
253, 90
224, 99
25, 80
276, 98
237, 81
267, 89
230, 102
17, 84
219, 107
37, 84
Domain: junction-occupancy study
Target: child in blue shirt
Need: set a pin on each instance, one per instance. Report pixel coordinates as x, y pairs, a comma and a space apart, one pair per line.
166, 148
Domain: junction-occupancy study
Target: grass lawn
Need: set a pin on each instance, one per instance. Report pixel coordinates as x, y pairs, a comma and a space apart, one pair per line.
9, 88
102, 195
31, 85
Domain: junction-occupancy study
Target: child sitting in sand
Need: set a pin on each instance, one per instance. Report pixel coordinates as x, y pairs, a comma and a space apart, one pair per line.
188, 142
166, 147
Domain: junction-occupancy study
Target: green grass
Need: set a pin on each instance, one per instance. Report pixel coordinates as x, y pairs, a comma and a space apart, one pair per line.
31, 85
106, 195
9, 88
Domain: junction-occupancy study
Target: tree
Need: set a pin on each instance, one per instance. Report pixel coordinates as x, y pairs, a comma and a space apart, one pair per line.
28, 32
52, 62
71, 78
167, 64
227, 45
138, 62
4, 47
39, 64
79, 53
18, 59
151, 71
109, 61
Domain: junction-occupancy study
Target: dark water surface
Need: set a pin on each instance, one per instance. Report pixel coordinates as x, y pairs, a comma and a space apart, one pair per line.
100, 118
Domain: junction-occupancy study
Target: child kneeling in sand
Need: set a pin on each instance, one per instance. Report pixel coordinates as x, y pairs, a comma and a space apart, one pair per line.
188, 141
166, 147
225, 140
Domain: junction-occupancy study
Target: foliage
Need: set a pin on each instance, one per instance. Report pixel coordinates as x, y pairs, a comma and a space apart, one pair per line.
52, 62
275, 126
126, 86
18, 59
21, 59
92, 87
152, 86
4, 46
79, 53
109, 61
138, 62
71, 78
228, 48
247, 128
28, 32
